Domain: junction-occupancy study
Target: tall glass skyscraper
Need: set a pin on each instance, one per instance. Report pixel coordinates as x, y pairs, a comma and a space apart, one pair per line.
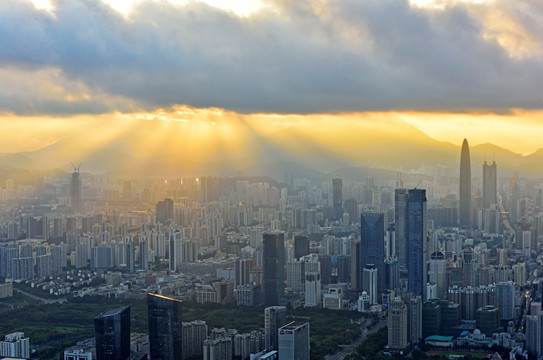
400, 221
465, 187
112, 334
273, 259
372, 246
274, 318
165, 327
417, 251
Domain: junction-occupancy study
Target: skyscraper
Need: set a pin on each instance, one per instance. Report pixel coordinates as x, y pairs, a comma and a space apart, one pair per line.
301, 246
337, 197
400, 218
505, 293
294, 341
356, 272
490, 186
273, 261
370, 279
274, 318
372, 246
112, 332
165, 327
397, 325
465, 187
417, 252
75, 191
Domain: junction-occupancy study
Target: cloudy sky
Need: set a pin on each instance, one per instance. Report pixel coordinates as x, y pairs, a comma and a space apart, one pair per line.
452, 68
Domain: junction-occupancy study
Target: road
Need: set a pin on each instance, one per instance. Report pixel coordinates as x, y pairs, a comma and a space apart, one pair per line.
44, 300
352, 347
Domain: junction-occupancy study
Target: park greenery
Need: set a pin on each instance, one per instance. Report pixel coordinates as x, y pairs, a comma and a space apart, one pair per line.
53, 327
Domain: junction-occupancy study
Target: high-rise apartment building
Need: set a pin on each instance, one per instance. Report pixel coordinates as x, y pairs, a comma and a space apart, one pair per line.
294, 341
176, 250
194, 335
165, 327
534, 335
112, 333
273, 261
164, 211
75, 191
505, 293
372, 247
15, 345
465, 187
274, 318
490, 185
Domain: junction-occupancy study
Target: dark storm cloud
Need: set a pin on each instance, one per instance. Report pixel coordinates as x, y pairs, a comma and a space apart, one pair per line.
309, 56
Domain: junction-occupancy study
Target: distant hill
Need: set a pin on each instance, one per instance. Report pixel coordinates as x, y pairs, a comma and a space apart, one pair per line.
355, 147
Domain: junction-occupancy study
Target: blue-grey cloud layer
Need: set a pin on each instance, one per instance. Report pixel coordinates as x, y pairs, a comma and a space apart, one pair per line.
309, 56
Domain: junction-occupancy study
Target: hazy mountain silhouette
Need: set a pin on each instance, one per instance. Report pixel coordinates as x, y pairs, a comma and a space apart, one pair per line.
157, 148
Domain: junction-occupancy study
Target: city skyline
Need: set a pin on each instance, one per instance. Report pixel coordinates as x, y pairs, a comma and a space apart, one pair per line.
271, 179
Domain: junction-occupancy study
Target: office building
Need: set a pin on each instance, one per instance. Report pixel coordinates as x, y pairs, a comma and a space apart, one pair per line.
490, 187
326, 268
370, 277
176, 250
465, 187
274, 318
487, 319
294, 341
273, 263
431, 318
372, 247
417, 252
356, 269
15, 345
337, 198
397, 325
165, 327
112, 333
414, 319
301, 246
400, 222
249, 295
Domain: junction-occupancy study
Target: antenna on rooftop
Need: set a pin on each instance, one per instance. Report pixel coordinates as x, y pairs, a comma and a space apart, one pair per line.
76, 168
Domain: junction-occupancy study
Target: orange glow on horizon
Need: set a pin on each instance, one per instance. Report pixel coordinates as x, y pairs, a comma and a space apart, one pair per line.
209, 130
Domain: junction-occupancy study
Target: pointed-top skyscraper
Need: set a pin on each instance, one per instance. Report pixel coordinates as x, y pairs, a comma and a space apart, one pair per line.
465, 187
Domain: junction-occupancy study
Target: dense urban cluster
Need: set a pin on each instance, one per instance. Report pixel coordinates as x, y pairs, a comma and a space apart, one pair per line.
446, 262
